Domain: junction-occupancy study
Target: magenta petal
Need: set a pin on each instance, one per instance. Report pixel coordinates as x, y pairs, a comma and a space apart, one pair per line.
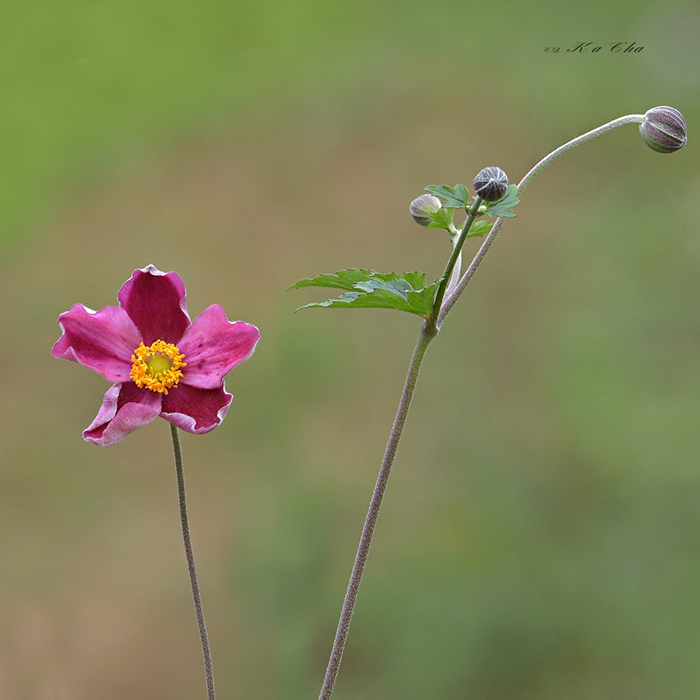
213, 345
156, 302
195, 410
101, 340
125, 407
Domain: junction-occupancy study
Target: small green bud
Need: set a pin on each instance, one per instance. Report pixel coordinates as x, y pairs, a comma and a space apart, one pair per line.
423, 207
491, 184
663, 129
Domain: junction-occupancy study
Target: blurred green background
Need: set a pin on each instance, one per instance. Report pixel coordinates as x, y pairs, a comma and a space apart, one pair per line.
541, 533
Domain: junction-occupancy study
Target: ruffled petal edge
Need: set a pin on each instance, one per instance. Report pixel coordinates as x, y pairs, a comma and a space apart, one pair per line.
213, 346
196, 410
102, 341
124, 408
157, 304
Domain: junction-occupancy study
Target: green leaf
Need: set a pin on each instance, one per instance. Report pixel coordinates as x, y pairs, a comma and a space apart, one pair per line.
345, 279
462, 194
369, 289
442, 218
504, 206
456, 197
480, 228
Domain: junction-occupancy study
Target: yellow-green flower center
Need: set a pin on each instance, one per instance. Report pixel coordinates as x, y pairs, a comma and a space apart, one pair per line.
157, 366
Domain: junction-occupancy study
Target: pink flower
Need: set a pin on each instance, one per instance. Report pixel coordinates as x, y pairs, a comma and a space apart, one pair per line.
162, 364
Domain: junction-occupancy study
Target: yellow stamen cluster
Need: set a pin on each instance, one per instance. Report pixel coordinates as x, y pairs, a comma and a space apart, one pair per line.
157, 367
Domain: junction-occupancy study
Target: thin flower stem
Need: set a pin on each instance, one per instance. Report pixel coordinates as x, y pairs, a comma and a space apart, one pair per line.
456, 270
456, 253
588, 136
426, 335
488, 242
198, 609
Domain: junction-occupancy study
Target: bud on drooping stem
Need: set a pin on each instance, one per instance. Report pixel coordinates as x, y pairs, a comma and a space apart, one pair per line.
423, 207
663, 129
491, 184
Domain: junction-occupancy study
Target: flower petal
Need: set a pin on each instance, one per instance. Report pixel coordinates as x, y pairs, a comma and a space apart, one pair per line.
195, 410
125, 407
101, 340
213, 345
156, 302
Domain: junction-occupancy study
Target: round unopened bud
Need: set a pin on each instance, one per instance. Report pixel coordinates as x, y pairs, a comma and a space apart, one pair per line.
423, 207
663, 129
491, 184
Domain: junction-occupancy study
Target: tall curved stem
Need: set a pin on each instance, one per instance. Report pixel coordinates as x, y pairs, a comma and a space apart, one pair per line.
445, 299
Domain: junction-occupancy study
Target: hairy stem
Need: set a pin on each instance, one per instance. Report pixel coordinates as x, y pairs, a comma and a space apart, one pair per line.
426, 335
197, 598
588, 136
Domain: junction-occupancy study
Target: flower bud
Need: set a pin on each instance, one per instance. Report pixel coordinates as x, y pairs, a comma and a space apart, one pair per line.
663, 129
423, 207
490, 184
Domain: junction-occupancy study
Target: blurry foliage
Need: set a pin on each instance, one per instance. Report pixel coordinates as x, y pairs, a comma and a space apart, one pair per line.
86, 85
